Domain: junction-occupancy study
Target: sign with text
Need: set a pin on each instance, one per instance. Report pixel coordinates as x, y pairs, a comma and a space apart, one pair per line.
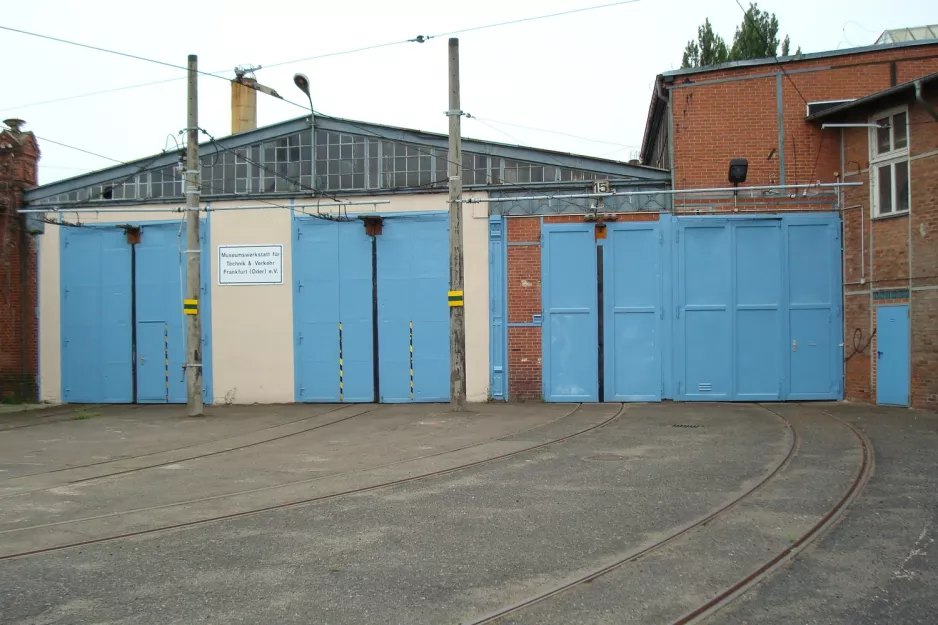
250, 264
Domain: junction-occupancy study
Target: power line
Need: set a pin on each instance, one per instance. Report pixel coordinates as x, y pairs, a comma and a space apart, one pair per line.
553, 132
107, 51
417, 39
72, 147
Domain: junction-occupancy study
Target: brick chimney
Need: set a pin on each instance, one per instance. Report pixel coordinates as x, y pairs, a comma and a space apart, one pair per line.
19, 335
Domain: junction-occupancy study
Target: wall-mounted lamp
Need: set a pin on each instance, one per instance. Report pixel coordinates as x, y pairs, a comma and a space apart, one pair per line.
738, 169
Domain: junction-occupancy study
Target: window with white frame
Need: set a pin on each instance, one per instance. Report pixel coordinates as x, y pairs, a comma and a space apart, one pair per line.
889, 163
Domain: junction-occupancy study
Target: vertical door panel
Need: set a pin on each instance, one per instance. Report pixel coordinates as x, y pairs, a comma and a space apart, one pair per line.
631, 302
570, 359
758, 330
892, 355
704, 326
413, 314
332, 286
97, 356
813, 297
158, 283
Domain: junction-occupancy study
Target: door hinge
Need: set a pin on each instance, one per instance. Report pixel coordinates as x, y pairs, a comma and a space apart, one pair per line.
680, 387
677, 312
660, 238
299, 285
662, 312
298, 233
299, 337
677, 236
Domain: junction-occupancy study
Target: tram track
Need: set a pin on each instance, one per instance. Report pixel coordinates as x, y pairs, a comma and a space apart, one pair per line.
172, 449
726, 596
309, 500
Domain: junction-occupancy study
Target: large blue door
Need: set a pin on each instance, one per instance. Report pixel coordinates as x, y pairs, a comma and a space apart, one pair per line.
413, 314
757, 303
703, 312
332, 312
632, 290
892, 355
570, 325
814, 292
97, 353
160, 332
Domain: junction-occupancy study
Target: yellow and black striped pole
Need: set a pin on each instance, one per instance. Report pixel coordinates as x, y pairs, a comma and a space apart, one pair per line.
411, 361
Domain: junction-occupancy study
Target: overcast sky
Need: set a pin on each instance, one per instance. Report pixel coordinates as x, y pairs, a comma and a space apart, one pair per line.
586, 74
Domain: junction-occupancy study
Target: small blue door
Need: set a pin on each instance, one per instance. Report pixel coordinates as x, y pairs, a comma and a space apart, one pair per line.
97, 352
332, 312
632, 284
892, 355
413, 313
816, 365
570, 325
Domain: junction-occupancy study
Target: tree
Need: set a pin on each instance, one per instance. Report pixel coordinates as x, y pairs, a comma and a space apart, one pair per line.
756, 38
708, 49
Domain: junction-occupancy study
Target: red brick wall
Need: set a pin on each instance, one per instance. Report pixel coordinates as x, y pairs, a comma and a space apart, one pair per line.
716, 122
19, 155
898, 252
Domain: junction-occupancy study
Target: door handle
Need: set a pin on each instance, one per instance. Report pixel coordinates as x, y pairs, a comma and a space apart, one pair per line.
142, 359
879, 354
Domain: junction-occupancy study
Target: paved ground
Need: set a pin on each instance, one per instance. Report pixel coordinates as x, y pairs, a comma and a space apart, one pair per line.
411, 514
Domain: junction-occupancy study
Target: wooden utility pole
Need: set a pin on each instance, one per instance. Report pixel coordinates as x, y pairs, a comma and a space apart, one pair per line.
193, 249
457, 312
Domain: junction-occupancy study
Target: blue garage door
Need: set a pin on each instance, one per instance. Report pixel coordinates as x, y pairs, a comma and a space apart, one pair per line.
97, 353
756, 311
341, 277
632, 313
570, 325
413, 314
332, 312
122, 320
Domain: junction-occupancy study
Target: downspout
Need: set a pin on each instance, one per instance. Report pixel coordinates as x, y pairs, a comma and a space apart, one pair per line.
921, 100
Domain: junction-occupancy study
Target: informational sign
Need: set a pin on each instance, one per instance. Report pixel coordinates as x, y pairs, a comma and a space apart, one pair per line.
250, 264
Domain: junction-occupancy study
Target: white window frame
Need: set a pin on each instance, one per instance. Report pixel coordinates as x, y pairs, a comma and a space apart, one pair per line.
890, 158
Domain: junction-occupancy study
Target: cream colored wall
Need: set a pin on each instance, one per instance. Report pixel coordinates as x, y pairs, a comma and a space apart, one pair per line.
252, 326
50, 329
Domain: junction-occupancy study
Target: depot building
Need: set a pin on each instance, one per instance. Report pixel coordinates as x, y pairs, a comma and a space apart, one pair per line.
324, 265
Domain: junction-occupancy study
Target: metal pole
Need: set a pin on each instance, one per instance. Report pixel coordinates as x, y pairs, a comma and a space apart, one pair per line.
193, 277
457, 313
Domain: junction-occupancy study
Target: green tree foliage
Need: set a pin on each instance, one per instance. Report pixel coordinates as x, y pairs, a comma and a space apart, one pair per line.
708, 49
756, 38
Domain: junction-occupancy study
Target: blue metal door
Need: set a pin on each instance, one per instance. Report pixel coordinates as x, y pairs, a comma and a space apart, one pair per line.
159, 274
632, 289
892, 355
757, 319
570, 327
815, 327
97, 358
413, 314
704, 353
332, 312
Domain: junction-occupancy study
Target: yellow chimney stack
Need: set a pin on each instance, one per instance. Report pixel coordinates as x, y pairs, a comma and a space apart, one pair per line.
243, 105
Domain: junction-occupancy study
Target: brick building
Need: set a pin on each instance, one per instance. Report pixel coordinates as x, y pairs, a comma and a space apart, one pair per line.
890, 242
19, 156
772, 113
708, 292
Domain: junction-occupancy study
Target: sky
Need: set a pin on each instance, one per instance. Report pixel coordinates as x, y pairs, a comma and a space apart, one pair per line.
587, 74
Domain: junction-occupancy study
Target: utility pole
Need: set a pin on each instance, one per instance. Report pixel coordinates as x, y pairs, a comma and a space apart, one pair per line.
193, 249
457, 312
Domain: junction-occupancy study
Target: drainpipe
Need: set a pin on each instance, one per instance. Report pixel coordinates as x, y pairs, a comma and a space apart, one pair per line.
921, 100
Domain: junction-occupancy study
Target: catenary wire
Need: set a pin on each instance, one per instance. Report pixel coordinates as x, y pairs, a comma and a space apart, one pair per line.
553, 132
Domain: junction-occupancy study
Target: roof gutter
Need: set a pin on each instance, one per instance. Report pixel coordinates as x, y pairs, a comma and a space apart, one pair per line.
921, 100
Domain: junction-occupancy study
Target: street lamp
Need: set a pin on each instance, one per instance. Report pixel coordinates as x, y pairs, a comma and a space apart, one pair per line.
302, 82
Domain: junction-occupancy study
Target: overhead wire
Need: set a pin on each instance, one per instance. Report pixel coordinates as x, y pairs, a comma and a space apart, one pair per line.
553, 132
